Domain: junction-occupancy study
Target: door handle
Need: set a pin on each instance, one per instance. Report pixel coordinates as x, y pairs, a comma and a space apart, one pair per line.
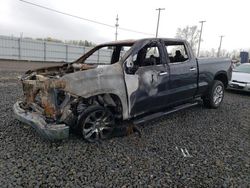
192, 69
163, 73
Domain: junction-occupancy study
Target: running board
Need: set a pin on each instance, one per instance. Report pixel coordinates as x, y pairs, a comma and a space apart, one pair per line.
159, 114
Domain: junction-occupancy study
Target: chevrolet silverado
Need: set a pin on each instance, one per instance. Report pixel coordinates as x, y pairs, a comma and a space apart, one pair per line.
140, 80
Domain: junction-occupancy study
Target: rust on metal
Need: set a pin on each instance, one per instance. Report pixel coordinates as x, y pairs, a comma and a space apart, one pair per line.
29, 92
49, 107
45, 88
86, 67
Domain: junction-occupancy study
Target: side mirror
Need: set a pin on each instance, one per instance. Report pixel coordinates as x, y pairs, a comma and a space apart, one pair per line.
130, 61
129, 64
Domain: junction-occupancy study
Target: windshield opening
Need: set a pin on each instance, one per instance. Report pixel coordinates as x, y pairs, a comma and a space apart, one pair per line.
106, 55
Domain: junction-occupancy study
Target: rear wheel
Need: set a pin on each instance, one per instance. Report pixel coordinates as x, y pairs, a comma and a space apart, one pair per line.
215, 95
96, 123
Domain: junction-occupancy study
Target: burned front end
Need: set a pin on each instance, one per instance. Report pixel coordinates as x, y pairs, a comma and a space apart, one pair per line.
58, 98
86, 95
45, 105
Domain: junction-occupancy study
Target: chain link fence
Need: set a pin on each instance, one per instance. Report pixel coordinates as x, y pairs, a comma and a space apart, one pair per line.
15, 48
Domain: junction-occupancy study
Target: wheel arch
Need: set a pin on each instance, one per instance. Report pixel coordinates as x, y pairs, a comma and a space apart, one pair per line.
114, 102
222, 76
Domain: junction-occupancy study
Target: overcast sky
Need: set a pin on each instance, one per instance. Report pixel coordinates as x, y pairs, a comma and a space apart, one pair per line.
224, 17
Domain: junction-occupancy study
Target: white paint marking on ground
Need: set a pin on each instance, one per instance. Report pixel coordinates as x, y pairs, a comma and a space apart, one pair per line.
188, 153
185, 152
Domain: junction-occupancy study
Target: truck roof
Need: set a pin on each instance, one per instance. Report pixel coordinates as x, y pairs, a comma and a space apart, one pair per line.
130, 42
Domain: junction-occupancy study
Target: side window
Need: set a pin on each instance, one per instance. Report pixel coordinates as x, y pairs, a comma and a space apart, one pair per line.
148, 56
177, 52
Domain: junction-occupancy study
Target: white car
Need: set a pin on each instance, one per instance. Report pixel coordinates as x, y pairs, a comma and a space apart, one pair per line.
241, 78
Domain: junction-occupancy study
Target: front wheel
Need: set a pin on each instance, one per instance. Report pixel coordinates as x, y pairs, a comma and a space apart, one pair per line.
215, 95
96, 123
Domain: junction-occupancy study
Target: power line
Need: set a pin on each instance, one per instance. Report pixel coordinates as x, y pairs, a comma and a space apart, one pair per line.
67, 14
81, 18
134, 31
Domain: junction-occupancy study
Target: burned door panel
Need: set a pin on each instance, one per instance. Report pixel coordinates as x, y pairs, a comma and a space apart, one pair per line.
151, 93
146, 78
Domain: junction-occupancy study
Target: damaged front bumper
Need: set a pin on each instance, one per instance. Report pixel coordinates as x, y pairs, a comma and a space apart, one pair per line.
51, 132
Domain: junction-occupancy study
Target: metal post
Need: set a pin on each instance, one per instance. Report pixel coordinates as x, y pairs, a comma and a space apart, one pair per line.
19, 48
219, 49
44, 51
198, 52
157, 27
116, 27
66, 53
98, 56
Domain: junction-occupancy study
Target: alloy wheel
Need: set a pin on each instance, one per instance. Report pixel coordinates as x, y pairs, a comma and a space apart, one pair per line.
98, 125
218, 95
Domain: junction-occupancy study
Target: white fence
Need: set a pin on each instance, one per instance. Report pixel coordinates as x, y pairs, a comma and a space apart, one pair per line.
36, 50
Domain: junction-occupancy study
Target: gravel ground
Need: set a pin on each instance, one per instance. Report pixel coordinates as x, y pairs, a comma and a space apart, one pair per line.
215, 145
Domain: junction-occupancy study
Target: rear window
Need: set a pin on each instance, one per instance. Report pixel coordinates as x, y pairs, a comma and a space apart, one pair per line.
176, 52
244, 68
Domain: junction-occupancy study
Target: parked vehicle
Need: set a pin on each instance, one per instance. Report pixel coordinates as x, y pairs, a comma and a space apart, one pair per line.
143, 79
235, 63
240, 78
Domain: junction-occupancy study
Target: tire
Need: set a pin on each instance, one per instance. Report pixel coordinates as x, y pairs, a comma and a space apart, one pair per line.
96, 123
215, 95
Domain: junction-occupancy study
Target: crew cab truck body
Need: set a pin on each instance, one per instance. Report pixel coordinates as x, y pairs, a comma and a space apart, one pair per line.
140, 79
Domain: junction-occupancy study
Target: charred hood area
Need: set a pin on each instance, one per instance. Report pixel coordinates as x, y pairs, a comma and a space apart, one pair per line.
56, 71
43, 89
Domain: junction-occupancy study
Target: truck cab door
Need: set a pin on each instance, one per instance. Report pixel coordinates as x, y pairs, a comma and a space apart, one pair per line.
146, 78
183, 72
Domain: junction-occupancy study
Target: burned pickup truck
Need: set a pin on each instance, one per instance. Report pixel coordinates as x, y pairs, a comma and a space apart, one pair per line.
138, 81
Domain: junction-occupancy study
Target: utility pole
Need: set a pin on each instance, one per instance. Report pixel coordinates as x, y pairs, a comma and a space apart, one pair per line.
159, 13
199, 44
116, 27
219, 49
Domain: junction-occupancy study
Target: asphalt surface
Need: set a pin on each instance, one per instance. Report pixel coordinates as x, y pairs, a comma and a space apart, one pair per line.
22, 66
196, 147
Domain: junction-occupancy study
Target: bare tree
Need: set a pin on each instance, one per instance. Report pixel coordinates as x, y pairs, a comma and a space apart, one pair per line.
189, 33
235, 54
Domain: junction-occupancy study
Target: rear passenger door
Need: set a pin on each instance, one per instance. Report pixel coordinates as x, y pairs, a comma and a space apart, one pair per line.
183, 72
